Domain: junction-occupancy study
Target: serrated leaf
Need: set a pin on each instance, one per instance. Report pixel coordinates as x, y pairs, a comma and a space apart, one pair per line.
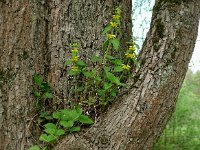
34, 148
112, 78
57, 115
106, 29
37, 80
107, 85
50, 125
95, 59
75, 129
60, 132
118, 69
66, 124
81, 63
115, 43
48, 95
68, 63
117, 62
88, 74
85, 119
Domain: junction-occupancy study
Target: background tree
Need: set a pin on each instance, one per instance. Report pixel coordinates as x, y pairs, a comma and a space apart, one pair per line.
32, 40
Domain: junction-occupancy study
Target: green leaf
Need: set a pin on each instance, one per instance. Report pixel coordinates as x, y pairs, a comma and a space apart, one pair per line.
69, 114
113, 93
106, 29
88, 74
115, 43
72, 73
101, 92
34, 148
50, 125
36, 94
45, 87
80, 89
47, 138
107, 86
97, 78
66, 124
79, 110
50, 130
85, 119
95, 59
110, 57
112, 78
37, 80
60, 132
106, 69
81, 63
48, 95
68, 63
46, 116
57, 115
75, 129
118, 69
105, 45
117, 62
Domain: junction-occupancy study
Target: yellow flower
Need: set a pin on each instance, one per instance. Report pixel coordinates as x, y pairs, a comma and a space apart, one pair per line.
111, 36
116, 16
74, 68
126, 67
130, 55
75, 58
75, 50
132, 48
113, 24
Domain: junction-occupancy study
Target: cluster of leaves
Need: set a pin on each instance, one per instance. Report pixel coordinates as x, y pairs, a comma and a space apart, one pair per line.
94, 84
105, 74
62, 122
42, 91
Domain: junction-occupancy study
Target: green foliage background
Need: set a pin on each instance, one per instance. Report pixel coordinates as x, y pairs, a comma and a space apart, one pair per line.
183, 130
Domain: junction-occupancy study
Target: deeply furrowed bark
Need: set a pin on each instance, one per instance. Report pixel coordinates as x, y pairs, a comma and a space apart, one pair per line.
33, 35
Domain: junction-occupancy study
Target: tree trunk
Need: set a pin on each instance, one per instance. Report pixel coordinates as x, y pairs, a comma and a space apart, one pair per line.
33, 35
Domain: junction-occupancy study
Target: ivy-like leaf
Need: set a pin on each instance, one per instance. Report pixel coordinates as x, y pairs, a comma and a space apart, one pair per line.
59, 132
50, 125
115, 43
70, 114
34, 148
47, 138
75, 129
66, 124
85, 119
57, 115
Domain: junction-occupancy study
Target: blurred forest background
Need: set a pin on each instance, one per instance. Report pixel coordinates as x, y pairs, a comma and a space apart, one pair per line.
183, 129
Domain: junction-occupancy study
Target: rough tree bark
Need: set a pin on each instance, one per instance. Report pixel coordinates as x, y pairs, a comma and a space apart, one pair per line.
32, 38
